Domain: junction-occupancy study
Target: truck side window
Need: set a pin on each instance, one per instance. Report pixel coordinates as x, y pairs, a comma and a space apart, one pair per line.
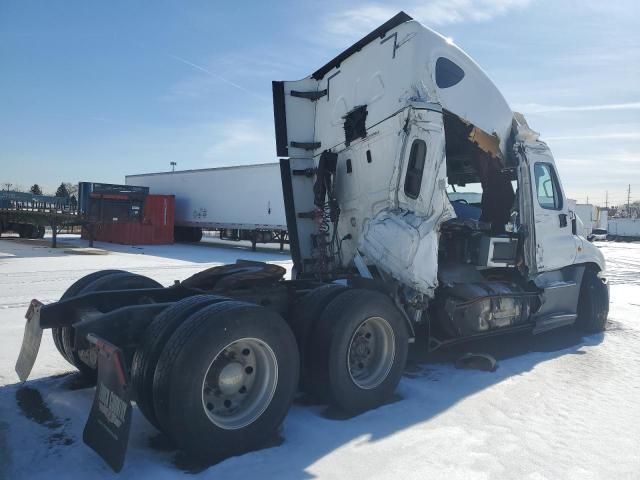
415, 168
448, 73
547, 187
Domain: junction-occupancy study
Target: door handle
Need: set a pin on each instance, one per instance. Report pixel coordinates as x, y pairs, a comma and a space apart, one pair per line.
563, 219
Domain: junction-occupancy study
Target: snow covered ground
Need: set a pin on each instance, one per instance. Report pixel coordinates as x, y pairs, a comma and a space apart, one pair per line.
559, 406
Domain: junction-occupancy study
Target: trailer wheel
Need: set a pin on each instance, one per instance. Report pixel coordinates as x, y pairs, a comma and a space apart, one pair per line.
156, 335
360, 347
242, 363
36, 231
304, 316
593, 303
73, 291
195, 235
85, 360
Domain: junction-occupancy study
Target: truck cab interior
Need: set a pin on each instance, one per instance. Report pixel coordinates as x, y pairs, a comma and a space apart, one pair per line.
482, 190
479, 251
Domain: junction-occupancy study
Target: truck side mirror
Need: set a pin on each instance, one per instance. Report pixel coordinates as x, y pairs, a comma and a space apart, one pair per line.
574, 223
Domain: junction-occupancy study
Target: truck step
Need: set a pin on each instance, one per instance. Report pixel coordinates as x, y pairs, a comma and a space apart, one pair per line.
555, 321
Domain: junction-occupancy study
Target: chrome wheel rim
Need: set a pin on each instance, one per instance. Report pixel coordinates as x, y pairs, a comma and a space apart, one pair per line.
240, 383
371, 353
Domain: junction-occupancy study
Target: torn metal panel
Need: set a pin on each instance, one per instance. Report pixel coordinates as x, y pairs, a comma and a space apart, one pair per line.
405, 245
487, 143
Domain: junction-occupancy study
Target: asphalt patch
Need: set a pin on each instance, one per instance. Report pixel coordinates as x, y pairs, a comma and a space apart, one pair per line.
33, 407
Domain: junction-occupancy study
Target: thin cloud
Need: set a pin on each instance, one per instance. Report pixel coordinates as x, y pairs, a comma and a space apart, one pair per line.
356, 22
537, 108
241, 141
598, 136
217, 76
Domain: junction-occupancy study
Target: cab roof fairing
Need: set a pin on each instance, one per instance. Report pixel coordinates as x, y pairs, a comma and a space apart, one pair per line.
395, 69
475, 99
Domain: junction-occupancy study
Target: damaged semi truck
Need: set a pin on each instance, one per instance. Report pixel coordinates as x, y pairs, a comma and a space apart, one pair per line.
379, 150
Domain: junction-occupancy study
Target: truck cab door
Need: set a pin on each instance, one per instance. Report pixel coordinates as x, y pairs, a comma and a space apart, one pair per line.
402, 239
555, 244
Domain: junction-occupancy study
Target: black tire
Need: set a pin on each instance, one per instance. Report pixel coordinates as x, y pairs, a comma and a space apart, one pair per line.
156, 335
85, 360
187, 234
193, 348
177, 234
195, 235
34, 231
593, 303
304, 316
73, 291
340, 325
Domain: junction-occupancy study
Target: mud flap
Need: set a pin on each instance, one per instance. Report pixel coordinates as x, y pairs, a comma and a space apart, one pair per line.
30, 341
107, 429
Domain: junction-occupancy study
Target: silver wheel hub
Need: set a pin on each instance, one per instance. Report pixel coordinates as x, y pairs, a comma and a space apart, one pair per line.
240, 383
371, 353
231, 379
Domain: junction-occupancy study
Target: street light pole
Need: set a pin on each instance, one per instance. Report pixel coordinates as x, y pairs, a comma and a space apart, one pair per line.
173, 166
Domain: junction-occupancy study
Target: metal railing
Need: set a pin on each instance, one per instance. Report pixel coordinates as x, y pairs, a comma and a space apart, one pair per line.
28, 202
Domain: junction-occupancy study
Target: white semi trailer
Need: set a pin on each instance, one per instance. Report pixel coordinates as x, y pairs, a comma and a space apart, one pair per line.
242, 202
383, 257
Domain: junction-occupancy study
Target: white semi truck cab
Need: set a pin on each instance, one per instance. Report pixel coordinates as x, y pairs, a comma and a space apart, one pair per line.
380, 146
419, 207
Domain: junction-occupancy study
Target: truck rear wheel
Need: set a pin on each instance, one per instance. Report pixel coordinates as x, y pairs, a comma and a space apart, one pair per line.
156, 337
593, 303
74, 290
359, 351
242, 363
304, 316
86, 360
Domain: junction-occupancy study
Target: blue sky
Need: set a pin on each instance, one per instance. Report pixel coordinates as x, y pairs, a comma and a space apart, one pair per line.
97, 90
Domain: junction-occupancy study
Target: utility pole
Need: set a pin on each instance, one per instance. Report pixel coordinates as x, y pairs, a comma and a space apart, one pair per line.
173, 166
606, 200
629, 200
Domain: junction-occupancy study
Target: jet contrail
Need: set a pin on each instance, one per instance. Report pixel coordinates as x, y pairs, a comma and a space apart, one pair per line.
215, 75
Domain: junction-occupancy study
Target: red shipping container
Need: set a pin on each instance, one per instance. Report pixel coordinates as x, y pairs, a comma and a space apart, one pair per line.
154, 228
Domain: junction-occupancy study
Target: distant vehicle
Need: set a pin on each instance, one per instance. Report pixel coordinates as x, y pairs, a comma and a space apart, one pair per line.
624, 229
242, 202
16, 209
381, 259
598, 234
591, 218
